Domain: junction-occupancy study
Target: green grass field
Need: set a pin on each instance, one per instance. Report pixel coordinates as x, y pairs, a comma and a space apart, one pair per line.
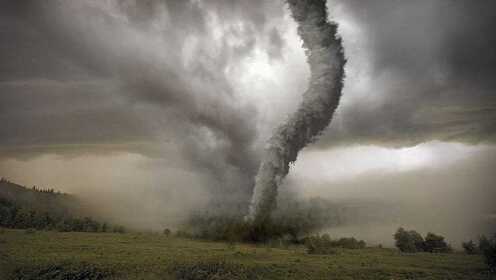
56, 255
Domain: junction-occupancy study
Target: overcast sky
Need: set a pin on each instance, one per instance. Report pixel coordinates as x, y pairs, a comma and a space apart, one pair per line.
175, 99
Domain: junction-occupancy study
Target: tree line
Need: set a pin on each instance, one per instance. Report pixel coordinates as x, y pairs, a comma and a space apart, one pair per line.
34, 188
410, 241
45, 209
19, 217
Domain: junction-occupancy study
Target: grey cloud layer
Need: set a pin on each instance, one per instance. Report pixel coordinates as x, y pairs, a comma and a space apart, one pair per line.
52, 53
127, 75
431, 66
144, 76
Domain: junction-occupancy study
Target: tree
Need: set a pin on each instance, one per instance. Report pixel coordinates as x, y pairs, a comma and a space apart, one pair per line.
118, 229
89, 225
22, 218
488, 248
408, 241
435, 243
470, 247
323, 244
484, 243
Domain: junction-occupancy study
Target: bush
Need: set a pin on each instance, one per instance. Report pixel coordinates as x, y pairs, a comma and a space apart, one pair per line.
118, 229
325, 245
411, 242
488, 249
470, 247
408, 241
319, 245
435, 244
349, 243
167, 232
484, 243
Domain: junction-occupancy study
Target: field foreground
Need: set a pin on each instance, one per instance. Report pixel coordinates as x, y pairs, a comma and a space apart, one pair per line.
56, 255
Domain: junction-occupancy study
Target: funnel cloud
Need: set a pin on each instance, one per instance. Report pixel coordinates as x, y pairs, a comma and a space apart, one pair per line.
326, 59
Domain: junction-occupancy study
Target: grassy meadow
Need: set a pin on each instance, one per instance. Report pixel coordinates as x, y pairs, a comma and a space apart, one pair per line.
57, 255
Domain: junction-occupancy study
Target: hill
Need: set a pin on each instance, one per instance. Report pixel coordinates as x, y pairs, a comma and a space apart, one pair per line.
39, 199
39, 208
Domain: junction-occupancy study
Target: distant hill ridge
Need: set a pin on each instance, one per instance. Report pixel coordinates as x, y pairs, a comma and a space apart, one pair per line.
45, 209
39, 199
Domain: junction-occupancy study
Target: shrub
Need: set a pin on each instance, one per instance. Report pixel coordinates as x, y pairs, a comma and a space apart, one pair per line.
408, 241
411, 242
319, 245
435, 244
119, 229
325, 245
104, 227
488, 249
62, 227
167, 232
349, 243
470, 247
484, 243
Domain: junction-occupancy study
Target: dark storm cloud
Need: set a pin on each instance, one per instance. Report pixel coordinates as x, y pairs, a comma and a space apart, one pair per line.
97, 77
26, 50
123, 72
432, 68
49, 97
67, 42
67, 118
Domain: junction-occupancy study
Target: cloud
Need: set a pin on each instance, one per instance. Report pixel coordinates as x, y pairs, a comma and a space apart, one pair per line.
417, 71
326, 59
447, 188
143, 77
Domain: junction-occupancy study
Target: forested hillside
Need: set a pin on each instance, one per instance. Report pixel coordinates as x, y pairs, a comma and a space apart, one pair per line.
45, 208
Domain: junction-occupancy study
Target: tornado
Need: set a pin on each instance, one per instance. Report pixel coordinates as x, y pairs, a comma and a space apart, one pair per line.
325, 56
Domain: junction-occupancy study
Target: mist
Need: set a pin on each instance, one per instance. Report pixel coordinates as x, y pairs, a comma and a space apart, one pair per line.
449, 189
